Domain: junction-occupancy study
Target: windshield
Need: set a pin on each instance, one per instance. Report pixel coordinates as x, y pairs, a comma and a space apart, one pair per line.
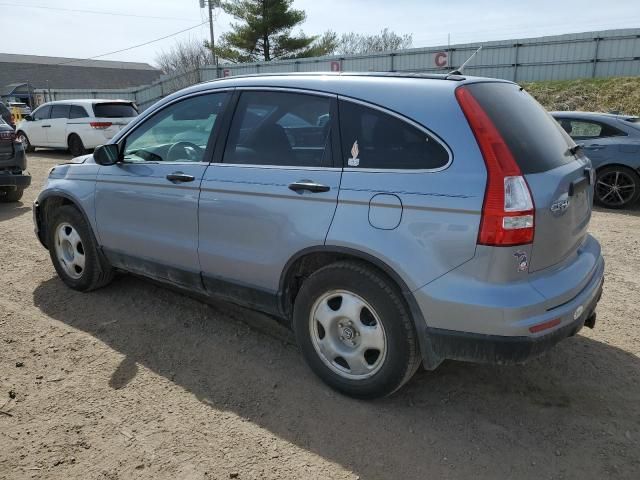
115, 110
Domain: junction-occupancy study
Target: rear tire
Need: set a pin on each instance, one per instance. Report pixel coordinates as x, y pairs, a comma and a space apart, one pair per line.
355, 330
25, 141
10, 196
616, 187
76, 147
74, 251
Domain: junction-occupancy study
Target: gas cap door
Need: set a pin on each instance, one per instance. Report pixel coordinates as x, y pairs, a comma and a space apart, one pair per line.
385, 211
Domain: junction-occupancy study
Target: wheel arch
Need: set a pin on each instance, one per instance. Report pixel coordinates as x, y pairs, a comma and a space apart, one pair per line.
635, 169
308, 260
46, 204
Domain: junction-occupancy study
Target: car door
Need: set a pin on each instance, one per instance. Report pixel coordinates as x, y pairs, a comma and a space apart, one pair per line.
598, 139
147, 204
271, 194
57, 132
36, 130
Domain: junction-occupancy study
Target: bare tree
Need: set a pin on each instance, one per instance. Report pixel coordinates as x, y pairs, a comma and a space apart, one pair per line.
182, 61
358, 43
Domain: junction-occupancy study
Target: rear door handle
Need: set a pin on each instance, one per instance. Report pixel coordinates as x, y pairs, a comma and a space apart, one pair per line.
308, 185
46, 126
179, 177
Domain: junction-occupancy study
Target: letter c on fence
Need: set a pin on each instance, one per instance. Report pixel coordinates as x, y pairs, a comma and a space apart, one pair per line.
440, 59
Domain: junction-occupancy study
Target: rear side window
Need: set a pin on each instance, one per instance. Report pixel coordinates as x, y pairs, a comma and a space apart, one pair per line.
280, 128
535, 139
60, 111
77, 112
42, 113
584, 129
375, 139
114, 110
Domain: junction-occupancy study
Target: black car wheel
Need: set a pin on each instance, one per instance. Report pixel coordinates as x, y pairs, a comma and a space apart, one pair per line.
617, 187
75, 145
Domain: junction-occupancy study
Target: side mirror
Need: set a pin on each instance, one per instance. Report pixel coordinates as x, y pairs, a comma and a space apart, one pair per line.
28, 118
107, 154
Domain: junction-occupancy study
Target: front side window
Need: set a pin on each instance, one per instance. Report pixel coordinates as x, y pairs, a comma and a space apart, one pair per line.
42, 113
60, 111
378, 140
280, 128
178, 133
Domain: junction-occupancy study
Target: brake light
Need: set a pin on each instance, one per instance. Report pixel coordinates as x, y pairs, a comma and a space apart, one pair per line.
7, 137
100, 125
507, 212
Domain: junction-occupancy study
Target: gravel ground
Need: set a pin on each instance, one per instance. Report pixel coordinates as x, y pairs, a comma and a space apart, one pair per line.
135, 381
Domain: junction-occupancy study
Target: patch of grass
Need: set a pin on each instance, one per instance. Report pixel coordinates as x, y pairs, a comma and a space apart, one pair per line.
621, 94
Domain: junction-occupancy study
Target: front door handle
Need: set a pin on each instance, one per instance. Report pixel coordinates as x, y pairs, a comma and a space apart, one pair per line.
308, 185
46, 126
179, 177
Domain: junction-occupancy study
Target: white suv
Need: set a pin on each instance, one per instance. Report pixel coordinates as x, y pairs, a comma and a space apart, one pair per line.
75, 124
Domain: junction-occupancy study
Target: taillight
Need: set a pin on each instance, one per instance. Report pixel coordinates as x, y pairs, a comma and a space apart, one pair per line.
100, 125
508, 211
7, 137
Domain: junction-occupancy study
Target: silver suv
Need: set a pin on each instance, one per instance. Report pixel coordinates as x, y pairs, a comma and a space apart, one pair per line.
391, 220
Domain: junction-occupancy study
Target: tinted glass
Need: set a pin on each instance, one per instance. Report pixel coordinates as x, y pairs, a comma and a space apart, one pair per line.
77, 112
278, 128
535, 139
385, 141
60, 111
42, 113
178, 133
114, 110
583, 129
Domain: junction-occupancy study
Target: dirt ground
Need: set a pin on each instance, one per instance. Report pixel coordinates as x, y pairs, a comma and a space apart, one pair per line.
135, 381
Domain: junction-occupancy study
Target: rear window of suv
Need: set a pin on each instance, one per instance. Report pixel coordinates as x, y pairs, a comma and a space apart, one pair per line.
535, 139
114, 110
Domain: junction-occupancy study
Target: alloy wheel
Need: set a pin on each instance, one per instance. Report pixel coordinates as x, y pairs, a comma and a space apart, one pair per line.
615, 188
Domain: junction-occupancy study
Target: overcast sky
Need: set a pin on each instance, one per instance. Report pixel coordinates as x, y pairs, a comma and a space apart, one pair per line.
72, 33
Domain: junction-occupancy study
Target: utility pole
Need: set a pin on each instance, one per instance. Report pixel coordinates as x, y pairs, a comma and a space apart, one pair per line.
210, 5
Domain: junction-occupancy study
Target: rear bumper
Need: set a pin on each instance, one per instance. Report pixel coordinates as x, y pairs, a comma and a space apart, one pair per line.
496, 349
15, 181
492, 322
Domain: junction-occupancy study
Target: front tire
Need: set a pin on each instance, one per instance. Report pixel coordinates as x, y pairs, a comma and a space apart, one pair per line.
76, 147
74, 251
355, 331
22, 137
617, 187
11, 196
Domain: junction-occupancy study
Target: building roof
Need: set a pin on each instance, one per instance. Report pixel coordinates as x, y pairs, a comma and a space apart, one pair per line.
72, 73
77, 62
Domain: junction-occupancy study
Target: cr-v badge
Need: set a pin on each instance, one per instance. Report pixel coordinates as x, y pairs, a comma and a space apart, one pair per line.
558, 207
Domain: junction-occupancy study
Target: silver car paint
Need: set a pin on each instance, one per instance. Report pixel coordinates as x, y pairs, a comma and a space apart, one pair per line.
250, 224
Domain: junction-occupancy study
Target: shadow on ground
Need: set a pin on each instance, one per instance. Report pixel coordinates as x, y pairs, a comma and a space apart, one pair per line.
12, 210
573, 413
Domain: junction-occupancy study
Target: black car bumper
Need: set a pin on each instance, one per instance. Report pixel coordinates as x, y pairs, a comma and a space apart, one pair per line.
15, 181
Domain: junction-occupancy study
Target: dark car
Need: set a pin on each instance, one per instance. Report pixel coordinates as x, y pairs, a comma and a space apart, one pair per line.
612, 143
13, 165
6, 115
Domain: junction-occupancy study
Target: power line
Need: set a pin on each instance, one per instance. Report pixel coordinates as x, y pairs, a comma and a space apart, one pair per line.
132, 47
93, 12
